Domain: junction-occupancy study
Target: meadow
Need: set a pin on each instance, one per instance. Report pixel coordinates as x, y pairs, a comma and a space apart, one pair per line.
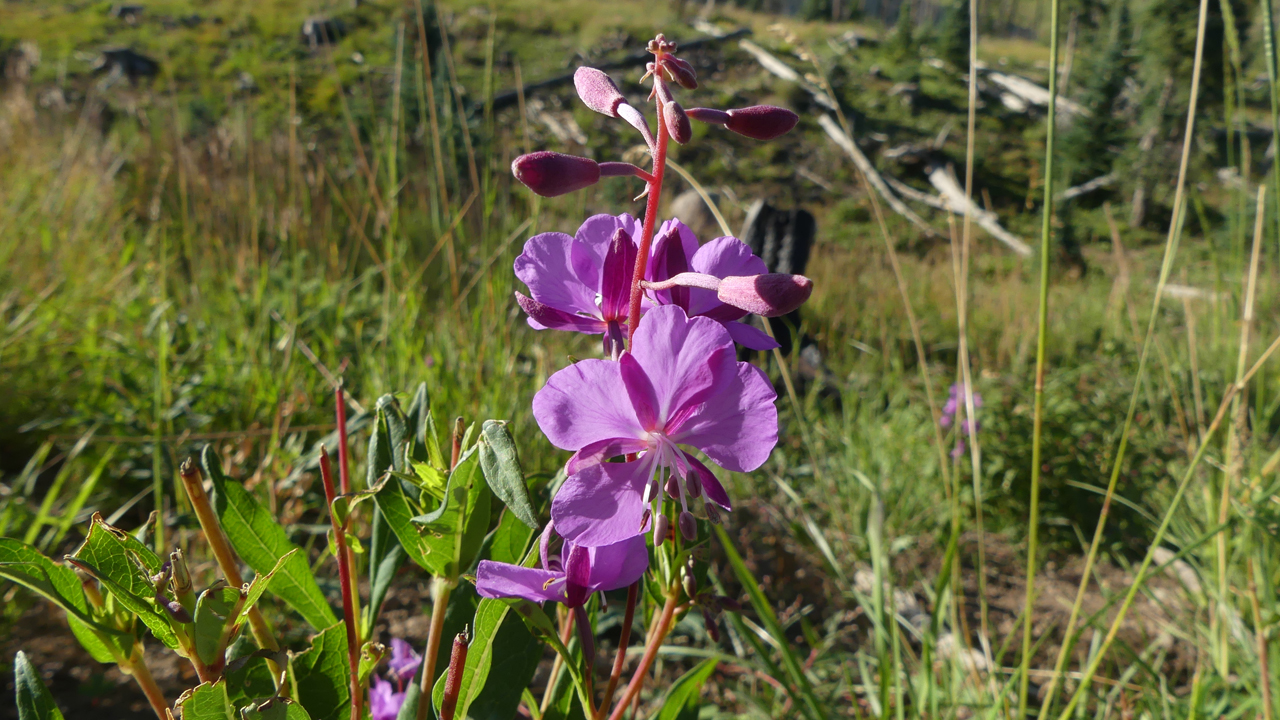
197, 255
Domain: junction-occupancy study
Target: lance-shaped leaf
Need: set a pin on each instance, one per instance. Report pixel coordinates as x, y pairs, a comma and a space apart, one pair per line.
207, 701
261, 543
501, 466
26, 566
124, 566
34, 700
261, 583
214, 608
275, 709
386, 452
445, 540
321, 676
425, 446
683, 699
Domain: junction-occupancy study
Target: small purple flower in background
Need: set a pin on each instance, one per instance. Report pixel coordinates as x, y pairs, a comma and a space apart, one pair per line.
680, 384
404, 661
954, 401
569, 577
384, 701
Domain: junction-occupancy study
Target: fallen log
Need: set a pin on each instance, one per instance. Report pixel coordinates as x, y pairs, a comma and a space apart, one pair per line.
846, 143
771, 63
1088, 187
947, 186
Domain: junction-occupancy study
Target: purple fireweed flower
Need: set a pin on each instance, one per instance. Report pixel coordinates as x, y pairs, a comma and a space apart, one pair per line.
680, 384
582, 282
384, 701
569, 577
404, 661
971, 425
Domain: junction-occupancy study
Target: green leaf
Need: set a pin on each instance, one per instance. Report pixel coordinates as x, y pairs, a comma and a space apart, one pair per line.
34, 700
430, 479
446, 540
207, 701
275, 709
247, 675
426, 444
502, 648
103, 647
508, 542
260, 584
386, 556
123, 565
321, 676
214, 607
30, 568
682, 701
371, 654
261, 543
501, 465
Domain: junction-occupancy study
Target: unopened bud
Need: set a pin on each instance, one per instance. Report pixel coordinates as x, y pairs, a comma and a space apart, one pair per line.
708, 115
770, 295
709, 622
728, 604
680, 72
598, 91
661, 529
550, 174
761, 122
687, 579
677, 122
688, 526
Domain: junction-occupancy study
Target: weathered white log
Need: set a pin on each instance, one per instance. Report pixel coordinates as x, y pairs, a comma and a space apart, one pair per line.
1087, 187
1032, 93
771, 63
950, 189
846, 143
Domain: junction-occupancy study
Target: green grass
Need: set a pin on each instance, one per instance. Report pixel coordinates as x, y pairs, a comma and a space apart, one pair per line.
162, 276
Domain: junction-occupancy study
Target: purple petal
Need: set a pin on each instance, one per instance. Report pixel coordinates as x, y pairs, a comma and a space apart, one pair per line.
501, 580
710, 484
404, 661
643, 397
615, 283
384, 701
603, 504
739, 428
593, 238
545, 317
750, 336
686, 359
723, 257
618, 565
598, 452
545, 267
583, 404
577, 575
670, 259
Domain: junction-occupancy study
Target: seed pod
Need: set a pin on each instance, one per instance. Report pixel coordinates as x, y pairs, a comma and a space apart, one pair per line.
761, 122
770, 295
550, 174
598, 91
677, 122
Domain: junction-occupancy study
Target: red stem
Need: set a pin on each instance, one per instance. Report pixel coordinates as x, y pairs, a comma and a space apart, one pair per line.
650, 217
650, 652
344, 578
624, 638
344, 477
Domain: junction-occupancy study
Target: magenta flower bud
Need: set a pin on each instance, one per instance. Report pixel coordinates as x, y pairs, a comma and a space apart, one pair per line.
769, 295
550, 174
680, 72
598, 91
677, 122
661, 529
708, 115
761, 122
688, 526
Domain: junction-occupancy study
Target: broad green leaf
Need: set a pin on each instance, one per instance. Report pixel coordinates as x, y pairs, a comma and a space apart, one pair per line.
123, 565
321, 676
260, 584
214, 607
247, 675
261, 543
508, 542
103, 647
34, 700
683, 699
425, 446
30, 568
207, 701
445, 540
502, 649
386, 557
430, 479
275, 709
501, 465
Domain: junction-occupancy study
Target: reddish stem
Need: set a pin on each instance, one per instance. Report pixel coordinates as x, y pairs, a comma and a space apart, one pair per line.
345, 579
624, 638
650, 653
650, 217
344, 477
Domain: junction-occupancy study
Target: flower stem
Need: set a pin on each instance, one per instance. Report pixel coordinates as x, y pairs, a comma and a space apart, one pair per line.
650, 220
440, 591
345, 580
136, 666
225, 556
624, 638
650, 652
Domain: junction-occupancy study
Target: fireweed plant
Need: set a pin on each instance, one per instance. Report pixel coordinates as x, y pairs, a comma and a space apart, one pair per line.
645, 423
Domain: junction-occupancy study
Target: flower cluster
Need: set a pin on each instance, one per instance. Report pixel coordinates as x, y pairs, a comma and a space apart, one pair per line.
669, 400
948, 417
